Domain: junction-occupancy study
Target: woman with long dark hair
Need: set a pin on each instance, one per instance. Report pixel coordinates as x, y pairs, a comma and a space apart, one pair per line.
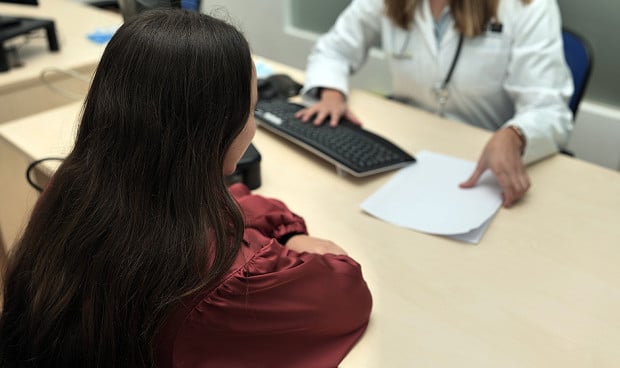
138, 255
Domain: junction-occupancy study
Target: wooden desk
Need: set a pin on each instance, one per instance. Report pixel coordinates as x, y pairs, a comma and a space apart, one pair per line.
542, 289
21, 91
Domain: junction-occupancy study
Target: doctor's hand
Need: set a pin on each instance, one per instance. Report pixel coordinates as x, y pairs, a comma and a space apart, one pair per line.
332, 105
502, 155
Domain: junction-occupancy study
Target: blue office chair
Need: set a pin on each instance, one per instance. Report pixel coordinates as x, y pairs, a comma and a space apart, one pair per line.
578, 54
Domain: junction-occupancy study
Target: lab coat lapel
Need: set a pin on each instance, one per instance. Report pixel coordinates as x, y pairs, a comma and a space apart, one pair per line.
451, 37
424, 23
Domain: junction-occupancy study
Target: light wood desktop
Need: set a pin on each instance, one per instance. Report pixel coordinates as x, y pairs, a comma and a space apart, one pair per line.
542, 289
21, 90
23, 93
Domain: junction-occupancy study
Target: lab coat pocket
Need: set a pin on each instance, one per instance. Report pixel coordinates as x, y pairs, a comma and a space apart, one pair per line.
485, 60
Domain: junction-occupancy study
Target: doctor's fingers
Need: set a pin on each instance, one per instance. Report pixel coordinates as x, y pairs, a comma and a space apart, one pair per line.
320, 112
509, 194
327, 110
473, 179
514, 184
306, 113
320, 117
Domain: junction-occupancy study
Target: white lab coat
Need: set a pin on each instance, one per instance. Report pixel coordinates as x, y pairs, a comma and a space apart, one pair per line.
514, 77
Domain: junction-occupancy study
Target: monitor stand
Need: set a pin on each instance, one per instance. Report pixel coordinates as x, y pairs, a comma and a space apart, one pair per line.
11, 27
8, 21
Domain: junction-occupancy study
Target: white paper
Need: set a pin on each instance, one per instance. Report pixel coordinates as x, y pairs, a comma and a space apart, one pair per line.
426, 197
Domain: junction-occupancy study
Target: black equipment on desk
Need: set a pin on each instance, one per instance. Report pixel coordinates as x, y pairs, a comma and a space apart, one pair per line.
277, 86
12, 26
351, 148
248, 169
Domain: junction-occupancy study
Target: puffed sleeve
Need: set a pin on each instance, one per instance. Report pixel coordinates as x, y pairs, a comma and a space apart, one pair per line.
267, 215
344, 49
281, 309
539, 80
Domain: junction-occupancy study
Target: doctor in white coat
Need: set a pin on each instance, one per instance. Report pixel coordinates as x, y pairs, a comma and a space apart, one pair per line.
496, 64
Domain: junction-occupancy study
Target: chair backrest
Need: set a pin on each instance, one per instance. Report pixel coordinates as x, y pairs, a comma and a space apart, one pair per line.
578, 54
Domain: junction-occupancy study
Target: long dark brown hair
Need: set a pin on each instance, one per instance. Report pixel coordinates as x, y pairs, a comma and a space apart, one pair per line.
138, 216
470, 16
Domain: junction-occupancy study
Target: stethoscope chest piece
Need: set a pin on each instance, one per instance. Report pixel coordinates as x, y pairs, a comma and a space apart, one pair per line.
441, 95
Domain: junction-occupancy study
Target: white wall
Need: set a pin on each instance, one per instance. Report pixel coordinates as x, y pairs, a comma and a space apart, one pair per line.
596, 137
267, 25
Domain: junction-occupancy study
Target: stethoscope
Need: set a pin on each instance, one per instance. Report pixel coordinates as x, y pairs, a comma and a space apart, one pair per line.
440, 89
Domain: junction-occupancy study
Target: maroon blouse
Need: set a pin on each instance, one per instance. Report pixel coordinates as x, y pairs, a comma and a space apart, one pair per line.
275, 308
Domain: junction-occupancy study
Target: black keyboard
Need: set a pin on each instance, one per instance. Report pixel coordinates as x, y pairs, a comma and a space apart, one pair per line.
352, 149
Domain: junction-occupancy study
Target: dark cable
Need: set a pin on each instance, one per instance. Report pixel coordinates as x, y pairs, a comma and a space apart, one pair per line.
445, 82
33, 165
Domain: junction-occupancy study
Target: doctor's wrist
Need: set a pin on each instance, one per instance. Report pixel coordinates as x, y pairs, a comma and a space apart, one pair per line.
331, 95
518, 133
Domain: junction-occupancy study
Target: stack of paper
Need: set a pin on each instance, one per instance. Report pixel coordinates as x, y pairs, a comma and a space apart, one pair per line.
426, 197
